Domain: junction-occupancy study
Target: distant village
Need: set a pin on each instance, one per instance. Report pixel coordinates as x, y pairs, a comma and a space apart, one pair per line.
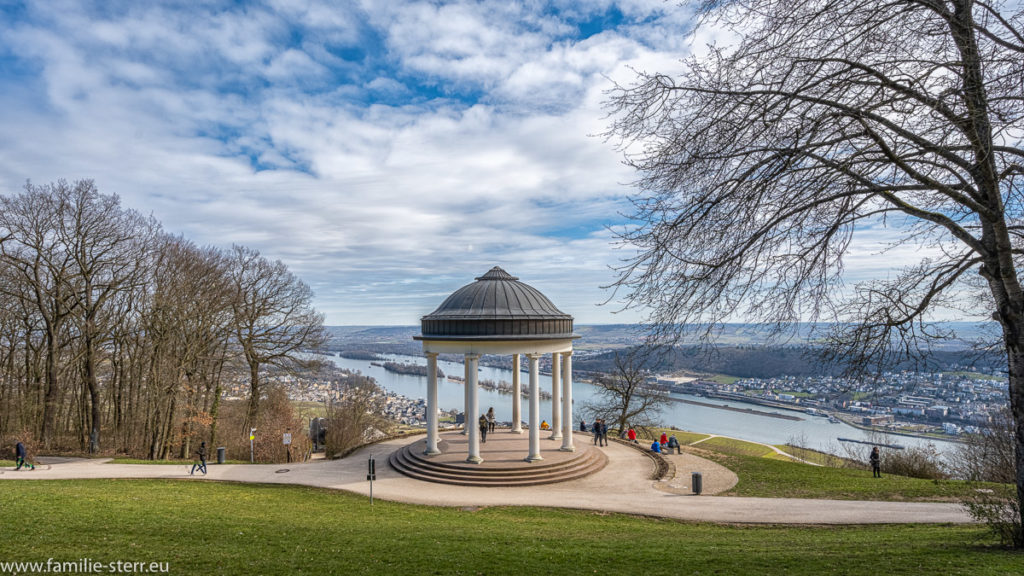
328, 385
948, 403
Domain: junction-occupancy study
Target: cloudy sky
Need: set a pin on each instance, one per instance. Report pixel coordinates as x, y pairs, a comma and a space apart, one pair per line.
387, 151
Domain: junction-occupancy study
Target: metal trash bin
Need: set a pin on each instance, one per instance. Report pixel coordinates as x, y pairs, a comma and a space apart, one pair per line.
698, 482
220, 454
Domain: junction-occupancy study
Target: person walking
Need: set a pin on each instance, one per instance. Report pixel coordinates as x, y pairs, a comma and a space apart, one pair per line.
597, 431
604, 433
876, 463
490, 419
201, 465
20, 455
483, 429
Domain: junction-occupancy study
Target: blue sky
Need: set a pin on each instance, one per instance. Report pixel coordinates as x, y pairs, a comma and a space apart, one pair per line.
387, 151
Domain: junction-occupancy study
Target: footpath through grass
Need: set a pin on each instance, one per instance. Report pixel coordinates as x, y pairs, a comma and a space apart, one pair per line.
215, 528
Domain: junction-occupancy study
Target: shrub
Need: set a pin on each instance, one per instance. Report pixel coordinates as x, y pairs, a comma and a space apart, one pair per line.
356, 418
277, 416
999, 510
915, 463
991, 457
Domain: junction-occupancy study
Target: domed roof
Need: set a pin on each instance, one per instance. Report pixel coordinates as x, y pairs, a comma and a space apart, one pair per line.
499, 307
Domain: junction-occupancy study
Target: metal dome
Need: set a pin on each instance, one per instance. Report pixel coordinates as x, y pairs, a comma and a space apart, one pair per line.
496, 307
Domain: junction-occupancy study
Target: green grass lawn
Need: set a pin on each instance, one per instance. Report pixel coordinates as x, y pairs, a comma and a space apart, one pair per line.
814, 456
724, 379
733, 446
221, 528
683, 436
773, 478
796, 394
6, 463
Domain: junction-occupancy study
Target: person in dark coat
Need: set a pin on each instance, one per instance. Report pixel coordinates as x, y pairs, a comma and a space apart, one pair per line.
673, 443
876, 463
202, 459
583, 425
483, 429
604, 433
20, 454
597, 431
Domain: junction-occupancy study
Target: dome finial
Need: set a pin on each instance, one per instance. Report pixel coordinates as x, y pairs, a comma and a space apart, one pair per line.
496, 273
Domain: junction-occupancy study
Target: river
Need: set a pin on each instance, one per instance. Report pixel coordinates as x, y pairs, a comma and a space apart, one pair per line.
812, 431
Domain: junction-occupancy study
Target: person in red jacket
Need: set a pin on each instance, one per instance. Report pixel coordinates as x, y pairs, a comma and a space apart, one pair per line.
632, 436
664, 439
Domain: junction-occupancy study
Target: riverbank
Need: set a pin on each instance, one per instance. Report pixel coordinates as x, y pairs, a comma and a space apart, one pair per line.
876, 430
734, 409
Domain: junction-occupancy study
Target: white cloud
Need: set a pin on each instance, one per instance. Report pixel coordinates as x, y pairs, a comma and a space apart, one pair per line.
370, 174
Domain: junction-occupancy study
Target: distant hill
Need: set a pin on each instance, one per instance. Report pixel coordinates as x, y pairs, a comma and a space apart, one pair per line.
771, 362
618, 335
400, 337
742, 350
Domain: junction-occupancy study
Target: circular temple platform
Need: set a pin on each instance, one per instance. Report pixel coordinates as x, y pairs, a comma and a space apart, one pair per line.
504, 464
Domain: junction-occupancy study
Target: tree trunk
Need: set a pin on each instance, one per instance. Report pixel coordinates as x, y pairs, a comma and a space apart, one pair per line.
94, 393
254, 394
214, 409
1016, 364
50, 395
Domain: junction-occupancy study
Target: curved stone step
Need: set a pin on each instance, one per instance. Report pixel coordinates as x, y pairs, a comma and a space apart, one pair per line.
496, 482
418, 459
410, 461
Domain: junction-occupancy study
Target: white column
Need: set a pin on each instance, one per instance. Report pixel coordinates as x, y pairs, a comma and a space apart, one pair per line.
567, 445
465, 393
431, 404
534, 408
517, 397
556, 404
473, 410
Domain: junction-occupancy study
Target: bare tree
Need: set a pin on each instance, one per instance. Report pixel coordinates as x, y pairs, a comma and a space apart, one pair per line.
357, 417
624, 395
108, 325
987, 456
33, 253
759, 162
109, 248
273, 318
